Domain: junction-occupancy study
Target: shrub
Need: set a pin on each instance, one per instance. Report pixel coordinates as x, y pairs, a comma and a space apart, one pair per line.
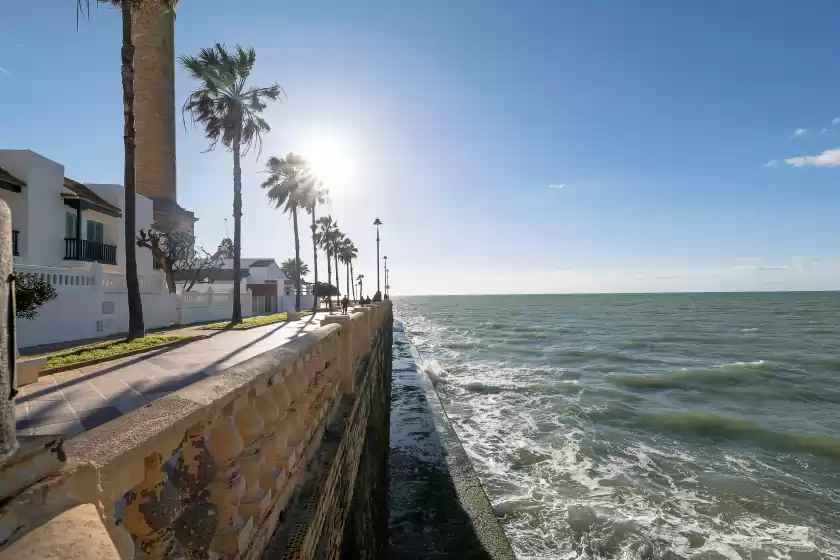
31, 292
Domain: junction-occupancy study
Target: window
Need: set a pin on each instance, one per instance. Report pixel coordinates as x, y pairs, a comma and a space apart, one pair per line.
70, 225
95, 231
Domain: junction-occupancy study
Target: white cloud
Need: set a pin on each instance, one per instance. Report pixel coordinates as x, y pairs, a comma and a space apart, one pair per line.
824, 131
829, 158
771, 163
800, 132
835, 120
4, 71
556, 186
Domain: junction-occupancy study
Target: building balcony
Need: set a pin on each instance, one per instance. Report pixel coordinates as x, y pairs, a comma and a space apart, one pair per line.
91, 251
15, 250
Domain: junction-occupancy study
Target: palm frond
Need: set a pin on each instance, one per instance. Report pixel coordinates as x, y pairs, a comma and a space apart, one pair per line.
229, 110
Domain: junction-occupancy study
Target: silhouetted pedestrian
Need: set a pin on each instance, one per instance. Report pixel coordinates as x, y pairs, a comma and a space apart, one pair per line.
344, 303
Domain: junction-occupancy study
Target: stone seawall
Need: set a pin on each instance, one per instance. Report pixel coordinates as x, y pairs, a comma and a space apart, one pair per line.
281, 456
438, 507
341, 511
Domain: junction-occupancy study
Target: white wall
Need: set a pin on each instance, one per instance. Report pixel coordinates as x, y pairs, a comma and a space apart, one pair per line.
200, 307
42, 230
287, 303
38, 213
144, 217
12, 161
93, 304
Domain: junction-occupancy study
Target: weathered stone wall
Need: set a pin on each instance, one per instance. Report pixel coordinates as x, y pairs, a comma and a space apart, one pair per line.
344, 511
280, 456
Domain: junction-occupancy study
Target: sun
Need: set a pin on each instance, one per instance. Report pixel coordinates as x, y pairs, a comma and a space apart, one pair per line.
332, 159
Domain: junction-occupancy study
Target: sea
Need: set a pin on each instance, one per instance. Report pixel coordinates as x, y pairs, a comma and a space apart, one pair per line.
660, 426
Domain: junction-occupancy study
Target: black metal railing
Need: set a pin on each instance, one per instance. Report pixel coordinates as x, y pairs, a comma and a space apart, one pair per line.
84, 250
15, 235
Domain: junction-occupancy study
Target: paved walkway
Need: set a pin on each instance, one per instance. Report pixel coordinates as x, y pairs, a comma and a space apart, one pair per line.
74, 401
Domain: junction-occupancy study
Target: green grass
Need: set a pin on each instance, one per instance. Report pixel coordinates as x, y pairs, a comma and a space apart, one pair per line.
106, 349
247, 323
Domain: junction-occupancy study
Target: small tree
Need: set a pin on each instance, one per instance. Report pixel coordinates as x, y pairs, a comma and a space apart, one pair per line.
326, 291
31, 292
294, 271
225, 249
176, 252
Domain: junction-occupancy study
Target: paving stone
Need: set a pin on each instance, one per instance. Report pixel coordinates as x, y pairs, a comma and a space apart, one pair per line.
43, 389
67, 429
64, 376
83, 391
110, 387
50, 412
89, 403
94, 417
143, 386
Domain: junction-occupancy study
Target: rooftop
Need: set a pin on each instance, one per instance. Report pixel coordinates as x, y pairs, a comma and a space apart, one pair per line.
81, 192
9, 179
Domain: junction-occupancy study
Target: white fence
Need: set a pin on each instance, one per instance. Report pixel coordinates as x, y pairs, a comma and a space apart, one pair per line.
93, 304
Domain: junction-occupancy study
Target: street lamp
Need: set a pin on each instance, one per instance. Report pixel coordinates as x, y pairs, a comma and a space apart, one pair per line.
377, 222
385, 267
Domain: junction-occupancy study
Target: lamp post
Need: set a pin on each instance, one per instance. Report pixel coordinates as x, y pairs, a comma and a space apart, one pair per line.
387, 286
385, 268
377, 222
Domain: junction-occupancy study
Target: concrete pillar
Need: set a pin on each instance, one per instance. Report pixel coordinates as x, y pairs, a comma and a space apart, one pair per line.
154, 102
8, 440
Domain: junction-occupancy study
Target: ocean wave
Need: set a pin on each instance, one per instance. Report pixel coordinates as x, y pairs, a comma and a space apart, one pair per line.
704, 424
552, 388
461, 345
434, 371
730, 374
484, 388
585, 355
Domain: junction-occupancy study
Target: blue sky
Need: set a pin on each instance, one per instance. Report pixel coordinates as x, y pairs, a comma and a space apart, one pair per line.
669, 126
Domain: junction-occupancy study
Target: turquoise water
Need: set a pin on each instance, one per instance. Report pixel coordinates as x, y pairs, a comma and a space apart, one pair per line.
646, 426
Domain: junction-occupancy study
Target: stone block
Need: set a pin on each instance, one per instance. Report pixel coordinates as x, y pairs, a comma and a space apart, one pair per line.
28, 370
77, 534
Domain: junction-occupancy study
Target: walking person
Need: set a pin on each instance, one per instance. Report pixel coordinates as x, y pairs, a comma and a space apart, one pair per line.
344, 303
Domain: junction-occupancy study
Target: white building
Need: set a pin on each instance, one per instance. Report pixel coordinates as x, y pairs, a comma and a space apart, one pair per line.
72, 235
59, 222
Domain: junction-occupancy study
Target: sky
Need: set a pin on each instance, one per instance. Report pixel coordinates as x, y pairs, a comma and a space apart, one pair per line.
507, 147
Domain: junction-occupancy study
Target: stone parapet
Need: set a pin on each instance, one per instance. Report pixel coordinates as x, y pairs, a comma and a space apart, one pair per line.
210, 471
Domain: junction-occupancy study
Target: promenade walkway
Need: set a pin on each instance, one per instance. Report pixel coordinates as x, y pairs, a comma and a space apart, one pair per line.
74, 401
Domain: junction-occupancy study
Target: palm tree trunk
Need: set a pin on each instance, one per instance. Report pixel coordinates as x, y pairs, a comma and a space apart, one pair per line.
236, 317
314, 264
351, 278
136, 329
329, 280
297, 259
347, 272
337, 283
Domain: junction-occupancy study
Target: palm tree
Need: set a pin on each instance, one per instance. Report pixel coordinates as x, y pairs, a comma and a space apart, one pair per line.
337, 239
287, 182
136, 328
327, 227
230, 111
316, 193
348, 252
360, 277
225, 249
294, 269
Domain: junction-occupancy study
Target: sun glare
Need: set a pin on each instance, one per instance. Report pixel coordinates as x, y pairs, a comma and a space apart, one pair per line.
332, 160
